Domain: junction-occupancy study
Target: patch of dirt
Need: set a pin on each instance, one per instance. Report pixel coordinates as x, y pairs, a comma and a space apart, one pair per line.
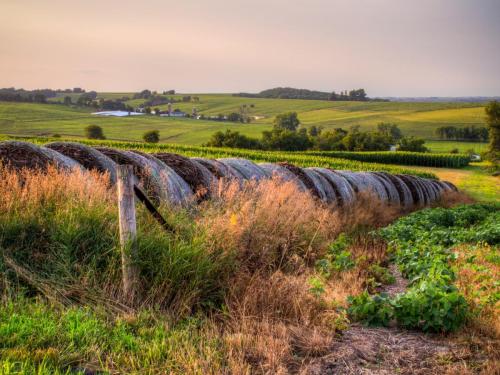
383, 351
400, 284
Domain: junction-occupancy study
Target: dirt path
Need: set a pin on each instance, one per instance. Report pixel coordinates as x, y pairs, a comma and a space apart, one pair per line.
365, 350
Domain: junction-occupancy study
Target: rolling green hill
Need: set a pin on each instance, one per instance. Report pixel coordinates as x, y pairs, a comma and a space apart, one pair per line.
419, 119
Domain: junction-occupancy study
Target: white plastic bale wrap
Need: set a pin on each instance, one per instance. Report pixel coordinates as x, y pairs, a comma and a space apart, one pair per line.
283, 173
60, 160
405, 196
416, 190
176, 191
220, 170
390, 188
248, 169
343, 190
322, 185
366, 182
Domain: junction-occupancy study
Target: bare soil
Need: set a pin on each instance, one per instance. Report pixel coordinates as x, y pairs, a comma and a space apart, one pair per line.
383, 351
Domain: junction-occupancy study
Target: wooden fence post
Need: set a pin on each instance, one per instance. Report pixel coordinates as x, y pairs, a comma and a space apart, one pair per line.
128, 230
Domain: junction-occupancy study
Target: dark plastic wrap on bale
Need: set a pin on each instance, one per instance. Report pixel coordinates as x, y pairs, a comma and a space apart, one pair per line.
88, 157
196, 176
20, 155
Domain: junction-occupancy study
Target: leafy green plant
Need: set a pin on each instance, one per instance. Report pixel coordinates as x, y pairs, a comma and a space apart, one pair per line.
372, 310
431, 307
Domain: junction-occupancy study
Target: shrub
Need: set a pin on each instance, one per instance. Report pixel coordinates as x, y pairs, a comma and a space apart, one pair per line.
372, 310
151, 136
94, 132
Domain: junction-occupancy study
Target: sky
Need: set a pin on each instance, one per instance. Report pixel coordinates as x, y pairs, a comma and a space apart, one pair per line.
388, 47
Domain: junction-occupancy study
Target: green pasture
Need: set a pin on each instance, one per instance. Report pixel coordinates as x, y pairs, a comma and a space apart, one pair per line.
462, 147
418, 119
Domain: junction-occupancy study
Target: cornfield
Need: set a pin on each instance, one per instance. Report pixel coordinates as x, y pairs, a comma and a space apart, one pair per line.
399, 157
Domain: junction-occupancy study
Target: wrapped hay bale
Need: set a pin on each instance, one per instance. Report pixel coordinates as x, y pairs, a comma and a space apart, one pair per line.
344, 193
390, 189
218, 169
283, 173
302, 176
416, 191
177, 190
19, 155
144, 170
90, 158
405, 197
364, 181
248, 169
189, 170
60, 160
322, 185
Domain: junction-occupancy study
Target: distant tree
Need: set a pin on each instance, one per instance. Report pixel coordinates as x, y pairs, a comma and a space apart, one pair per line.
232, 139
412, 144
235, 117
330, 140
314, 130
157, 111
493, 121
78, 90
94, 132
357, 95
67, 100
286, 140
147, 110
287, 121
454, 151
186, 98
390, 130
151, 136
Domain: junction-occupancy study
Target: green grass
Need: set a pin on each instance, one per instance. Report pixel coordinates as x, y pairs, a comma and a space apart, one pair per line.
474, 179
418, 119
462, 147
37, 337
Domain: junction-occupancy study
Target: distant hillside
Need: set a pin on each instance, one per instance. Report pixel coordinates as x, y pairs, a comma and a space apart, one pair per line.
293, 93
288, 93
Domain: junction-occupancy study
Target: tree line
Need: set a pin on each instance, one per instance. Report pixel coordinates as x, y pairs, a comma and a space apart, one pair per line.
288, 135
293, 93
467, 133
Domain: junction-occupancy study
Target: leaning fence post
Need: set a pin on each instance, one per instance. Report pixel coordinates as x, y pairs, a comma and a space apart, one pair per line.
128, 230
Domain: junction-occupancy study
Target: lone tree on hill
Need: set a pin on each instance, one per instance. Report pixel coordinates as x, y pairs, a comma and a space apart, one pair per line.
287, 121
94, 132
151, 136
493, 121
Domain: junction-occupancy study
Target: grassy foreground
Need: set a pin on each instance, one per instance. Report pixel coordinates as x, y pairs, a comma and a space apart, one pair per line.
255, 281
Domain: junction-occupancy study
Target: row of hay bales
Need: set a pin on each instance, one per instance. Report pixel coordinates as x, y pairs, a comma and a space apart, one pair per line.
178, 180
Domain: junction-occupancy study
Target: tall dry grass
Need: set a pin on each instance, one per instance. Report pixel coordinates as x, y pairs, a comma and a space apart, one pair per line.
276, 233
246, 257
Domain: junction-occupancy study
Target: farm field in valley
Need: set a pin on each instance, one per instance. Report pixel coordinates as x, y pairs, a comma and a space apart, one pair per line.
462, 147
417, 119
